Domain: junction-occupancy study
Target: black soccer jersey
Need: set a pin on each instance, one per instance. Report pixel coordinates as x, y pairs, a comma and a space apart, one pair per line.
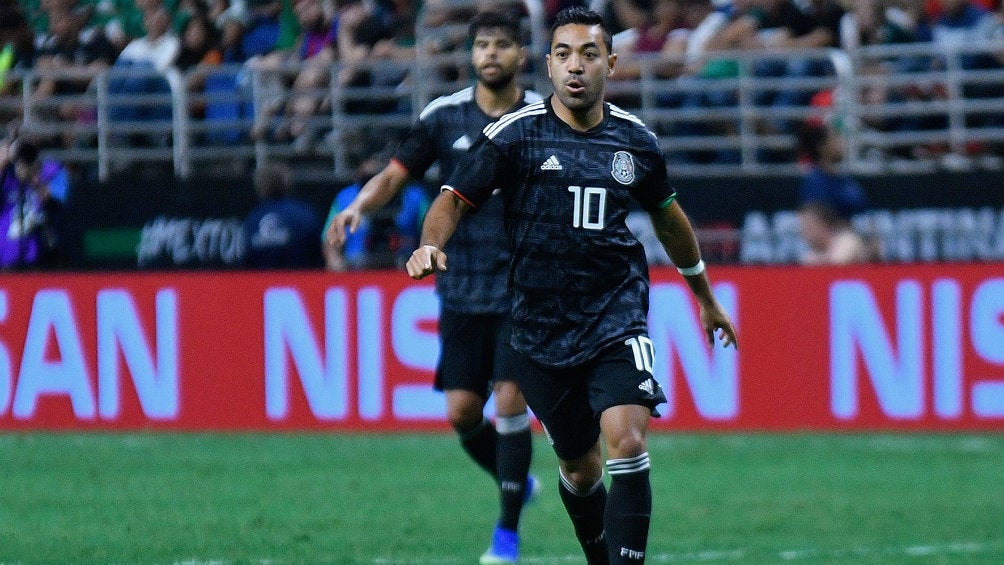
579, 276
475, 282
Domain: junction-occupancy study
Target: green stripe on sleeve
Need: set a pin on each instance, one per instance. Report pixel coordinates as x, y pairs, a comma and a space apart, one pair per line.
665, 203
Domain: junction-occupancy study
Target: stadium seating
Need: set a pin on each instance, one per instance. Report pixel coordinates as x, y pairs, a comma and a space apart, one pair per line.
749, 134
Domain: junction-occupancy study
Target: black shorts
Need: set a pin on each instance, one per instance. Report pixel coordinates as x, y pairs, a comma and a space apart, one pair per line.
474, 351
569, 401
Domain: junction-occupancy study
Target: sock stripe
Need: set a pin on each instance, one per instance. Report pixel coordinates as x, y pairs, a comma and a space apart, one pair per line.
571, 488
629, 465
512, 424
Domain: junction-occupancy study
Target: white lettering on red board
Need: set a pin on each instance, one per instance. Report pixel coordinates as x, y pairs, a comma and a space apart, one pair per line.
119, 330
898, 371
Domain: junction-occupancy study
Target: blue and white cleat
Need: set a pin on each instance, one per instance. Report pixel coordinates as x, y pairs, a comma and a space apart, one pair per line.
504, 549
532, 489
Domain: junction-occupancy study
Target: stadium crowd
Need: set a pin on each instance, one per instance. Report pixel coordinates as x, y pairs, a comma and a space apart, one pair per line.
295, 49
291, 44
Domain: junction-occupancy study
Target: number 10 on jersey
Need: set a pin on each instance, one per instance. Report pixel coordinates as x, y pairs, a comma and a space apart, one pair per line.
589, 207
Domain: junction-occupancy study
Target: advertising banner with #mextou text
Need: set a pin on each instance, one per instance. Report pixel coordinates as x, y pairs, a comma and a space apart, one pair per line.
881, 347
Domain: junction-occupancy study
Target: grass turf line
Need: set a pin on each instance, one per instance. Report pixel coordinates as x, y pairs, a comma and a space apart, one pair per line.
737, 499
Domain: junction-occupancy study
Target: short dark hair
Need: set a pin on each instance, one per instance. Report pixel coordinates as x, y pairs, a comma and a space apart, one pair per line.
583, 16
495, 19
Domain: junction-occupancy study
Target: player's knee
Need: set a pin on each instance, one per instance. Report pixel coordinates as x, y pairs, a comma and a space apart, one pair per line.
584, 471
630, 443
463, 416
583, 477
509, 400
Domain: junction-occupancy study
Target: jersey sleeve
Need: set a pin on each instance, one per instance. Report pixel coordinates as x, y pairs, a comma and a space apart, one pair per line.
418, 150
654, 191
484, 168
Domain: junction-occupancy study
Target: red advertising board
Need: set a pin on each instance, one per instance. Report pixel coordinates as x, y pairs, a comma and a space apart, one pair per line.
886, 347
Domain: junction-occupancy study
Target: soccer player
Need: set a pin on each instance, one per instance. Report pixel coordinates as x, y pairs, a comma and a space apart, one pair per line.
474, 302
567, 168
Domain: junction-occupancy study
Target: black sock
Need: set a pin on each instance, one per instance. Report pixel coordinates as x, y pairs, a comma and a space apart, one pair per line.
515, 447
586, 511
629, 509
481, 444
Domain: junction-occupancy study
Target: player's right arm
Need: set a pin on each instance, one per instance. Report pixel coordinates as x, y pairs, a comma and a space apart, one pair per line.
375, 194
440, 223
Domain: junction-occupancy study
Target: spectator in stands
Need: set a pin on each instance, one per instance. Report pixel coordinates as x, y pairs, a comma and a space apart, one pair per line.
685, 48
228, 88
662, 32
263, 28
822, 151
69, 47
995, 31
368, 33
383, 240
147, 66
965, 23
158, 48
17, 50
200, 44
830, 238
223, 10
783, 24
828, 200
314, 52
282, 232
875, 23
391, 54
231, 33
199, 55
622, 15
308, 62
125, 19
30, 214
698, 84
956, 23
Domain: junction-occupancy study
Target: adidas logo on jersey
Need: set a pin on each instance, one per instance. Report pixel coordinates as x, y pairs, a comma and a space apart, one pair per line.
551, 164
648, 386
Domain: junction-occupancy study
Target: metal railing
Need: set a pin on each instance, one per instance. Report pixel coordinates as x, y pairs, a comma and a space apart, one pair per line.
707, 126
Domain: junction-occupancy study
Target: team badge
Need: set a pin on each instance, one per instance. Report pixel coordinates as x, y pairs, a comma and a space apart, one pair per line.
622, 167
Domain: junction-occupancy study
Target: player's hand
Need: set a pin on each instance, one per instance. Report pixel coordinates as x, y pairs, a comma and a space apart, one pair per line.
348, 218
424, 261
713, 318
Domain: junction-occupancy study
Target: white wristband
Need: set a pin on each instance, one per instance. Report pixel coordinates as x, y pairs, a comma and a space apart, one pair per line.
695, 270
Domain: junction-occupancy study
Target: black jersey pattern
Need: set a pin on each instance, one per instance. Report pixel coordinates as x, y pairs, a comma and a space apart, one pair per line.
578, 275
475, 282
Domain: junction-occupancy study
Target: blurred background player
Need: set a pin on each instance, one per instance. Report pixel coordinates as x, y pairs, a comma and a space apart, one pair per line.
474, 302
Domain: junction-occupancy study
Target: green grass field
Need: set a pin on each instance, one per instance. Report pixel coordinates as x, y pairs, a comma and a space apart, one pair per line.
720, 499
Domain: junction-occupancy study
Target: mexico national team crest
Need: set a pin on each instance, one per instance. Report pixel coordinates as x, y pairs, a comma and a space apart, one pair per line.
622, 167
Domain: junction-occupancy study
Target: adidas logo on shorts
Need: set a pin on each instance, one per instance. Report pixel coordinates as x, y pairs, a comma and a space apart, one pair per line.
648, 386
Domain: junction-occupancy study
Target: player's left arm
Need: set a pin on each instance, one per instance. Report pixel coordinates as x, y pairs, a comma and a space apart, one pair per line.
677, 236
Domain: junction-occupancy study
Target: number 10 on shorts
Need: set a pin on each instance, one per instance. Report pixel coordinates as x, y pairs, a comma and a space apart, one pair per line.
644, 352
